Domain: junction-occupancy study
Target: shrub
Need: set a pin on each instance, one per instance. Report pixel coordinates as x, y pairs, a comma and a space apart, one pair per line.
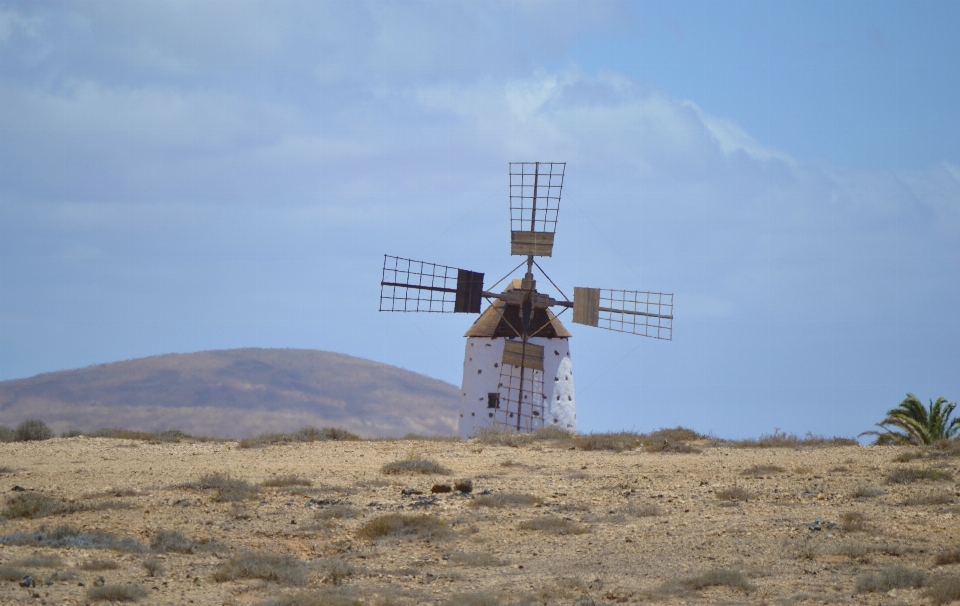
32, 429
947, 557
853, 521
5, 469
268, 567
414, 466
116, 593
338, 512
668, 446
153, 567
944, 589
553, 525
712, 578
6, 434
501, 436
759, 471
733, 494
865, 492
67, 536
893, 577
166, 541
40, 560
286, 481
304, 434
11, 573
779, 439
905, 475
940, 498
228, 489
98, 564
612, 441
677, 434
474, 559
322, 597
643, 510
31, 505
335, 570
505, 499
395, 525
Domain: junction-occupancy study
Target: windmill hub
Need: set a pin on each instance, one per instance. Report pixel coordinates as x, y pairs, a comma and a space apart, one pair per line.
517, 372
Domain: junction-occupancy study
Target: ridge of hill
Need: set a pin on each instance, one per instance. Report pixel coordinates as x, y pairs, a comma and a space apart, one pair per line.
236, 393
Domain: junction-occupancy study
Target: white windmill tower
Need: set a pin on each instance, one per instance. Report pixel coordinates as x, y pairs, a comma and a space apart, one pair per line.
517, 371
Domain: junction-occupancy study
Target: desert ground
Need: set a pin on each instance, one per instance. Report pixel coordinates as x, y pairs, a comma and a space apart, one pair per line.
546, 522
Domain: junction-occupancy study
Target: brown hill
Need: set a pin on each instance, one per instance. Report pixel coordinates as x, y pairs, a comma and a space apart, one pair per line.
236, 393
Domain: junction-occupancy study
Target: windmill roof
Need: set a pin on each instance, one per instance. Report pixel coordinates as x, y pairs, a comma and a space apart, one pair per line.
496, 320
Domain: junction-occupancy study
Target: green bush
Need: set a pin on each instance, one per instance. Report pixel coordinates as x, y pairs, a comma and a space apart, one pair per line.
6, 434
32, 429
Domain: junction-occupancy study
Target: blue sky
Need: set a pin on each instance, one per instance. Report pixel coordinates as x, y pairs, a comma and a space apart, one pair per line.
177, 177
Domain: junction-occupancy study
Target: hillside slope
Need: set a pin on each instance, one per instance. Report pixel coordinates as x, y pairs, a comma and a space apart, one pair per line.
236, 393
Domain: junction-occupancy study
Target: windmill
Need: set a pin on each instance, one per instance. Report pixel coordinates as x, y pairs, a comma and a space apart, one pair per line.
517, 371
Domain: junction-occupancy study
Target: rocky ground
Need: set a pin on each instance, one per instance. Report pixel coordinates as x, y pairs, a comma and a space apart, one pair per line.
546, 522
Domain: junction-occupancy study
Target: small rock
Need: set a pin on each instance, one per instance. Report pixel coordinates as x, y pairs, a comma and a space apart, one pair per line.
441, 488
18, 489
80, 584
99, 582
27, 581
410, 491
465, 485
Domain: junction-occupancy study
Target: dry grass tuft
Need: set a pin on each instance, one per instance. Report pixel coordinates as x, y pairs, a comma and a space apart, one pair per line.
612, 441
473, 599
853, 521
906, 475
153, 567
67, 536
759, 471
643, 510
11, 573
865, 492
677, 434
336, 570
322, 597
475, 560
5, 469
944, 590
282, 569
939, 498
945, 558
892, 577
98, 564
304, 434
779, 439
906, 457
733, 494
396, 525
339, 511
286, 481
713, 578
554, 525
414, 465
40, 560
32, 505
229, 490
668, 446
171, 541
505, 499
116, 593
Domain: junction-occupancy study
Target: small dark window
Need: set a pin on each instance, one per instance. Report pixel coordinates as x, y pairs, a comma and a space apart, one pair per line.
493, 400
535, 413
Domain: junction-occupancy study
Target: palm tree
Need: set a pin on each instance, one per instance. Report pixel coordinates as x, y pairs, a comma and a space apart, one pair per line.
919, 425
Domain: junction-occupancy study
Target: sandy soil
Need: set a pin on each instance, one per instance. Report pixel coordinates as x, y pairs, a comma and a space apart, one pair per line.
624, 554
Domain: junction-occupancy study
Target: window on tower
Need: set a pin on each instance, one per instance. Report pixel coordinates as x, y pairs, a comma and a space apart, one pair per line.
493, 400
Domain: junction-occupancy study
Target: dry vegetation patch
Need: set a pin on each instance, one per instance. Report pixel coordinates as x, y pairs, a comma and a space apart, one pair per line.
733, 579
779, 439
40, 560
945, 558
760, 471
944, 590
271, 567
937, 498
892, 577
286, 481
116, 593
554, 525
94, 564
304, 434
67, 536
414, 466
733, 494
228, 489
906, 475
505, 499
396, 525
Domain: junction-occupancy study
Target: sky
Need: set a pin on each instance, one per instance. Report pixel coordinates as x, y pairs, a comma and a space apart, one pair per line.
185, 176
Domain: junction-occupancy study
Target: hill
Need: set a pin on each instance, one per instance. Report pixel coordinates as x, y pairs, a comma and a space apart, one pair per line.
236, 393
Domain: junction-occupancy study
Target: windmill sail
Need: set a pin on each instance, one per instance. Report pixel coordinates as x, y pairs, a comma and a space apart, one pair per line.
519, 397
534, 205
412, 286
649, 314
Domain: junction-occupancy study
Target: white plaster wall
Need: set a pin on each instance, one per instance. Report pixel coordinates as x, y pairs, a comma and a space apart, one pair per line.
481, 375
